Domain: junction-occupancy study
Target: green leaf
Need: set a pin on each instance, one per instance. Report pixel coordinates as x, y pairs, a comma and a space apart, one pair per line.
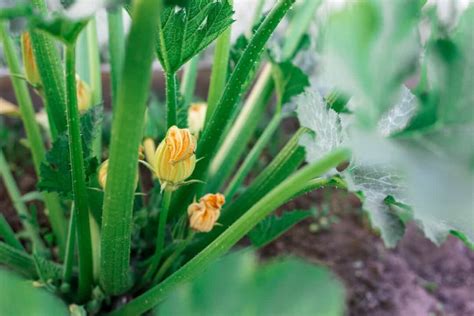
184, 32
376, 183
324, 122
47, 272
274, 226
55, 172
286, 287
60, 26
289, 81
20, 297
368, 50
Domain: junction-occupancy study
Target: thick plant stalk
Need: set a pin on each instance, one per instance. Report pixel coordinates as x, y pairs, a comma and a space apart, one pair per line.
127, 128
79, 188
51, 200
188, 83
52, 75
20, 206
116, 48
278, 196
171, 99
219, 70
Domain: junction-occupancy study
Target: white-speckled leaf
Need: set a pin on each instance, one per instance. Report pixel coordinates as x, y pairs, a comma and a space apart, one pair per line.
376, 182
397, 118
325, 123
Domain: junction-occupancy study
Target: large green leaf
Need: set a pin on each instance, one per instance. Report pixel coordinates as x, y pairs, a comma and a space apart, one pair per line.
368, 50
238, 285
186, 31
20, 297
419, 151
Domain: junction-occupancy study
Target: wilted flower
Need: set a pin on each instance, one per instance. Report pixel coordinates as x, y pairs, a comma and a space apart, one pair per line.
197, 117
204, 214
84, 95
31, 69
174, 159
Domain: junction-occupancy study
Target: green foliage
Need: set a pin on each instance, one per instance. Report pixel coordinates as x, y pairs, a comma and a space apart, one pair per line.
47, 272
184, 32
289, 81
417, 151
286, 287
274, 226
21, 297
63, 28
55, 174
358, 43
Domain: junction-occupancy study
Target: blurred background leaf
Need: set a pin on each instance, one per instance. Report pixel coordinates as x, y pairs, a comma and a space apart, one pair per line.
238, 285
22, 298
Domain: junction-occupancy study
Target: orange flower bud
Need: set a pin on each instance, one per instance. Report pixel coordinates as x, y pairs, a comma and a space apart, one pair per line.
29, 63
174, 159
84, 95
197, 117
204, 215
102, 174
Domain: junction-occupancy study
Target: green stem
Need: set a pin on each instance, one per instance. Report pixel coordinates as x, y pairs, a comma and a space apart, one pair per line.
116, 48
7, 233
127, 129
238, 81
51, 72
188, 83
234, 233
20, 206
160, 239
219, 70
282, 166
172, 259
171, 99
233, 90
95, 78
236, 141
95, 73
256, 16
252, 157
241, 131
78, 179
70, 249
33, 133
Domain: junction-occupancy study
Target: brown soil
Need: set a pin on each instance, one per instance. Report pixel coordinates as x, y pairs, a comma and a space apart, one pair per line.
416, 278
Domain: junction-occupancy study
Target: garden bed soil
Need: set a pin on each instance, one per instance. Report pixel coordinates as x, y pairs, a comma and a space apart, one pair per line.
416, 278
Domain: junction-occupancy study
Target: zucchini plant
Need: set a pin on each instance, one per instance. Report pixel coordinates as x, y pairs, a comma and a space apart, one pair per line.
122, 246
